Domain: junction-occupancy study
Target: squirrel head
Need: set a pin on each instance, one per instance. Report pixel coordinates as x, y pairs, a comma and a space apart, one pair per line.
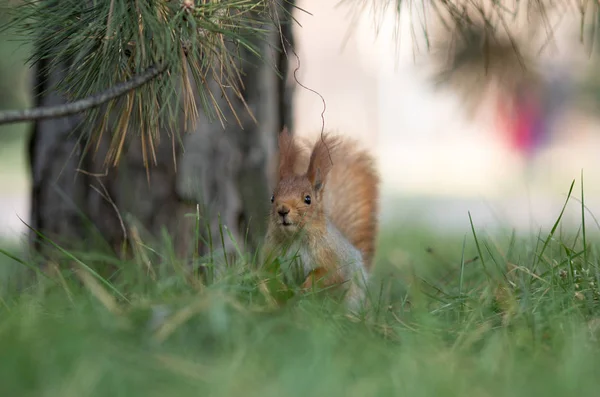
297, 201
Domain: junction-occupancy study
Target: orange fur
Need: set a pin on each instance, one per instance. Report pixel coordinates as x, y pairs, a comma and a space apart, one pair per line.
351, 191
343, 184
351, 196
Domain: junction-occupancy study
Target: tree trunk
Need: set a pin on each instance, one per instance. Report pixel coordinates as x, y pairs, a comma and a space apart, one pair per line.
79, 202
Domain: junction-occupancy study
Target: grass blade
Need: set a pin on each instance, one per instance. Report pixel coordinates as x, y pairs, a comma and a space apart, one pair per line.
80, 263
22, 262
562, 211
585, 254
479, 252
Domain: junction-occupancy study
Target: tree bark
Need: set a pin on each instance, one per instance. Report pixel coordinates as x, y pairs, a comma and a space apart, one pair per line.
224, 172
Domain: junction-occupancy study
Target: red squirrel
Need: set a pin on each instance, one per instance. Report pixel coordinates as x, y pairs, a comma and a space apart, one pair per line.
324, 212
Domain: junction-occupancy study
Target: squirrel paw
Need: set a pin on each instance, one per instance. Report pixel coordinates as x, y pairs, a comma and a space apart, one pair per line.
354, 295
322, 278
315, 277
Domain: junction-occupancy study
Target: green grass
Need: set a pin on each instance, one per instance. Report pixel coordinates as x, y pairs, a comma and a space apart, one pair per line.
466, 315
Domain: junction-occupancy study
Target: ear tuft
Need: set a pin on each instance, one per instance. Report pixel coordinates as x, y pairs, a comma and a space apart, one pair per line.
288, 153
321, 160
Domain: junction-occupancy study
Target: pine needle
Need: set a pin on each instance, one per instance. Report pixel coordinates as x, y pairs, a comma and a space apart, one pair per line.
97, 45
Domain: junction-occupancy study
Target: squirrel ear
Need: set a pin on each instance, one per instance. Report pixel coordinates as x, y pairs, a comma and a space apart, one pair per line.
320, 162
288, 153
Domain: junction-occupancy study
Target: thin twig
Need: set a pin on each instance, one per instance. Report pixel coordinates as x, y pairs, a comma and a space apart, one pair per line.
311, 90
106, 197
49, 112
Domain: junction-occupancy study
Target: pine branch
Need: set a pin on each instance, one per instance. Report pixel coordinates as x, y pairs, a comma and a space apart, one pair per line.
103, 43
81, 105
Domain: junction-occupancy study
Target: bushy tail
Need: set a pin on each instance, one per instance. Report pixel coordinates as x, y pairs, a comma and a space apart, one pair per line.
352, 194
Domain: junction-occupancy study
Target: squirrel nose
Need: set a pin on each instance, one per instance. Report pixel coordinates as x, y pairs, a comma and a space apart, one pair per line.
283, 210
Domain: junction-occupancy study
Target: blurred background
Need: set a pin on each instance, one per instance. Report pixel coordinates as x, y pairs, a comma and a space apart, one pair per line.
506, 155
509, 160
14, 172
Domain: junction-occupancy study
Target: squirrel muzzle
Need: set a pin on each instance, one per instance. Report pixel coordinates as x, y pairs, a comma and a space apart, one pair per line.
283, 212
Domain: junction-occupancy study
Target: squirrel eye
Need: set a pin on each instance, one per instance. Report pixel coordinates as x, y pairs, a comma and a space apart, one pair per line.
307, 199
272, 198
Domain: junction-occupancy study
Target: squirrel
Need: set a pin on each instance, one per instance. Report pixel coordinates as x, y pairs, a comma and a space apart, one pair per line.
324, 211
